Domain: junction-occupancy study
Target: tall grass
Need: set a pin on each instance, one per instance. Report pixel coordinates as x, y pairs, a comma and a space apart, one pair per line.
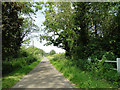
15, 64
81, 78
14, 68
12, 78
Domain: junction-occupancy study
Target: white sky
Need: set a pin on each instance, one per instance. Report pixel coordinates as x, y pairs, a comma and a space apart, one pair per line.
39, 20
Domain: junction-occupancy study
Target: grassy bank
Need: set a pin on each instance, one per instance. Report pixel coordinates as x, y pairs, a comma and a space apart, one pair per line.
82, 79
12, 78
14, 68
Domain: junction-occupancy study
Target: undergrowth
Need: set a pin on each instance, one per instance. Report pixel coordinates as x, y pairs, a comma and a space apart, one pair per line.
14, 68
82, 78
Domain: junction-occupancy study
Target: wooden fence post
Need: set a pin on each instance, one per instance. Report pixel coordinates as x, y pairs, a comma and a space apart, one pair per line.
118, 65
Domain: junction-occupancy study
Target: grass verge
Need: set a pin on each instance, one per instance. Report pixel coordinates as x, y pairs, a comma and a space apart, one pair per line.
81, 79
12, 78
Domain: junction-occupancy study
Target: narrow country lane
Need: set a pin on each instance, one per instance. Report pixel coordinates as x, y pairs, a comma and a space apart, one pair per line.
44, 75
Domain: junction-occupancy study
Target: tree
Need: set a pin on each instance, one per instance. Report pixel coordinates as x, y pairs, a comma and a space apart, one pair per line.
58, 30
36, 51
14, 26
11, 33
52, 52
83, 29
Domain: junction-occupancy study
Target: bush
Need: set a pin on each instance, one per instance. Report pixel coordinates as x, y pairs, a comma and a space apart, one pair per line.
59, 56
52, 52
111, 75
110, 56
104, 69
6, 67
16, 63
72, 70
21, 59
98, 69
30, 59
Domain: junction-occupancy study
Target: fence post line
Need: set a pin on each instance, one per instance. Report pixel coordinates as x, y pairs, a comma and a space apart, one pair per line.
118, 65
